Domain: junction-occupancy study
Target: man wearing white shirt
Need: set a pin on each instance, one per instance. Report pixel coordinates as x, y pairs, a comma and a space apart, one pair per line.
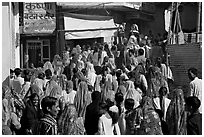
195, 85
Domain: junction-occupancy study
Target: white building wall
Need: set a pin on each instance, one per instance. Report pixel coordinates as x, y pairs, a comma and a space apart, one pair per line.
16, 31
9, 23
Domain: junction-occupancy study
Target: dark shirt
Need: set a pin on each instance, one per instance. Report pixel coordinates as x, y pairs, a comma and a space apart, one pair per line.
92, 116
68, 72
194, 124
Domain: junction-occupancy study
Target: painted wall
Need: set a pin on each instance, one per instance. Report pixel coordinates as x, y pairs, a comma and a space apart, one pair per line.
7, 48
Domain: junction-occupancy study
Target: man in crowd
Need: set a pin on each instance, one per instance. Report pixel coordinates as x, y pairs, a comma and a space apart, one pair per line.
194, 120
48, 124
195, 85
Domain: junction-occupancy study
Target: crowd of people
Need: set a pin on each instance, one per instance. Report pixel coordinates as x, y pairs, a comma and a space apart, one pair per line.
102, 90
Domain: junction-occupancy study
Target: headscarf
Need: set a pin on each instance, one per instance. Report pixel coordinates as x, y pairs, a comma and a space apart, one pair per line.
156, 81
135, 95
78, 48
82, 99
35, 89
150, 121
69, 123
91, 73
50, 84
56, 92
61, 81
85, 55
176, 116
48, 65
74, 51
107, 92
129, 85
90, 67
57, 64
139, 69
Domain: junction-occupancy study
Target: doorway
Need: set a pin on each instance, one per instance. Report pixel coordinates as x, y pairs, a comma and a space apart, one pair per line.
38, 51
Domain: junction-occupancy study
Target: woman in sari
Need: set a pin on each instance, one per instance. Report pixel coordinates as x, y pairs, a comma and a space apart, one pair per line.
132, 93
69, 123
148, 119
50, 84
176, 115
82, 99
122, 85
140, 80
107, 92
90, 74
156, 81
7, 108
57, 63
33, 89
61, 79
31, 115
97, 85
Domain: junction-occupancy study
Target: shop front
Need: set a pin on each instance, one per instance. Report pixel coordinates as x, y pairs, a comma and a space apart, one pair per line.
38, 37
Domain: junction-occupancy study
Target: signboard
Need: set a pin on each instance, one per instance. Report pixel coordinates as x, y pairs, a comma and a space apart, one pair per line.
39, 18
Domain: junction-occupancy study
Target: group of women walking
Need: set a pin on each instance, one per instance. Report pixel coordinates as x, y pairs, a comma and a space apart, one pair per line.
88, 92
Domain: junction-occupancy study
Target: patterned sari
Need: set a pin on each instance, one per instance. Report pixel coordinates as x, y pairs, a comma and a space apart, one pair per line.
82, 99
107, 92
176, 115
69, 123
150, 121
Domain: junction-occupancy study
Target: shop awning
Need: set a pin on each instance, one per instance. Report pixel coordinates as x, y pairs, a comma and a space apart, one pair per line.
87, 26
120, 6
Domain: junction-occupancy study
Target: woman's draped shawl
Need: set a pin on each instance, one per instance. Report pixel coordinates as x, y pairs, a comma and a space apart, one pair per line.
82, 99
69, 123
176, 116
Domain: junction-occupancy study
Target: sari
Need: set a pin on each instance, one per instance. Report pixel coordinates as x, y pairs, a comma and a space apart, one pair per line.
97, 86
7, 108
82, 99
176, 115
69, 123
56, 92
156, 81
35, 89
150, 123
61, 81
107, 92
134, 94
90, 74
49, 85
